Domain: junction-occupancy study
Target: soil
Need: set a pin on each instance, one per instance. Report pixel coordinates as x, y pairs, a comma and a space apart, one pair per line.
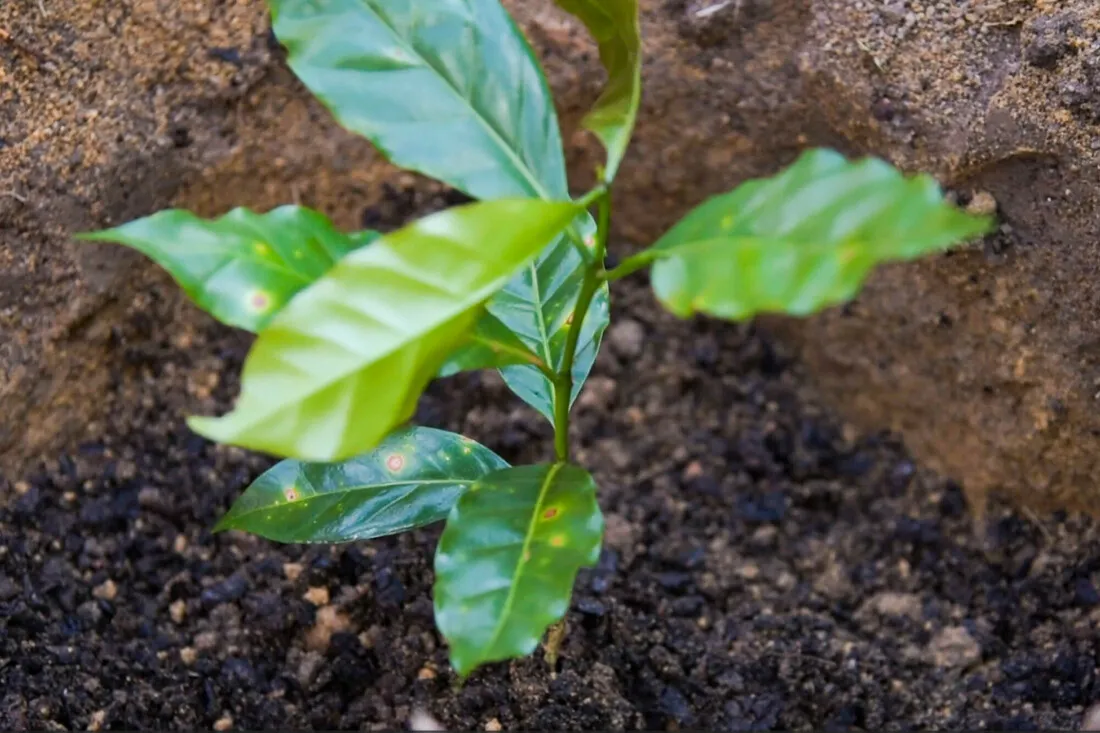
765, 567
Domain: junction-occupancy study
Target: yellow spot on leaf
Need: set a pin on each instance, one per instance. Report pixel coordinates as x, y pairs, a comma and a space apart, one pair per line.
527, 556
557, 540
261, 249
291, 493
568, 321
727, 222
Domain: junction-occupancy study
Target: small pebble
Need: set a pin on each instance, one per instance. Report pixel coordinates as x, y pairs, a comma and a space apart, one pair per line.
188, 655
178, 611
106, 591
317, 595
292, 570
983, 204
206, 641
493, 725
426, 673
627, 338
1092, 718
180, 544
422, 721
22, 487
96, 721
225, 722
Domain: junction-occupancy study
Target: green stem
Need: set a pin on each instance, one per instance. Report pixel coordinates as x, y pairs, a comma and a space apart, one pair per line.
630, 265
563, 381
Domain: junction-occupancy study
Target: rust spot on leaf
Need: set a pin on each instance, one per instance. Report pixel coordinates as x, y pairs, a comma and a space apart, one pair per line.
550, 513
557, 540
259, 300
291, 493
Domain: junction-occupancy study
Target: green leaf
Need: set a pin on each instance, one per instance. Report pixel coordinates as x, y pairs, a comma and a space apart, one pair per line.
490, 344
413, 478
538, 306
508, 557
804, 239
449, 88
346, 360
243, 267
615, 26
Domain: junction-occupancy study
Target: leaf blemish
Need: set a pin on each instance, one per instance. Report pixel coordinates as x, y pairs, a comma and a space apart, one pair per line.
261, 249
557, 540
550, 513
291, 493
259, 300
395, 462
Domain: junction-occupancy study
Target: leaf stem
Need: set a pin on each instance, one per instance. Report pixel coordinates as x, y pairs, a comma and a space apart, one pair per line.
563, 381
630, 265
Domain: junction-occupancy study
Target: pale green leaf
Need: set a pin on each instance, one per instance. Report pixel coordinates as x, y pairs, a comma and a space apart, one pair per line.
615, 26
243, 267
345, 362
804, 239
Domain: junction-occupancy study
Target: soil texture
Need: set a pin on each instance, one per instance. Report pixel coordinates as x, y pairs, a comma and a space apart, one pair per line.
765, 567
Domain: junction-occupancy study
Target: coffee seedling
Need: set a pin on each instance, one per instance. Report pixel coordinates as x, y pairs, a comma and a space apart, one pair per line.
352, 327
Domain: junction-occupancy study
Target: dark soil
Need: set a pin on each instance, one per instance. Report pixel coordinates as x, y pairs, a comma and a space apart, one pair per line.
764, 568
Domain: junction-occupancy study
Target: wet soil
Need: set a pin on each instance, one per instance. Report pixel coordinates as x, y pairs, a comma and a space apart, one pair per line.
765, 567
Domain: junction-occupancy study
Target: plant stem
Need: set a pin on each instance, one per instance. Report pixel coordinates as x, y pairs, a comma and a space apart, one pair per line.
630, 265
563, 382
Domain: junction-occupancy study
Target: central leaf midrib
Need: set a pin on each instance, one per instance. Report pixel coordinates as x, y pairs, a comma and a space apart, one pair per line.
499, 138
367, 487
506, 609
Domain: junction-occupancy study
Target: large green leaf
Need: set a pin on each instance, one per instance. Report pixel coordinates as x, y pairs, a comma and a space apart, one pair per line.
449, 88
243, 267
803, 240
411, 479
508, 557
615, 26
347, 359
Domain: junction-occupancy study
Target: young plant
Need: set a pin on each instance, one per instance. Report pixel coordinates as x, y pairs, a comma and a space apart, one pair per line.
352, 327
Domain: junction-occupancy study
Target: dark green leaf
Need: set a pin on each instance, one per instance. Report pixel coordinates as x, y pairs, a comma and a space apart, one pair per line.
538, 306
346, 360
507, 559
450, 89
490, 345
614, 24
244, 267
803, 240
411, 479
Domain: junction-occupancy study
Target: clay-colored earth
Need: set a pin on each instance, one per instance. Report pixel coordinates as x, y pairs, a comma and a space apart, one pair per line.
986, 360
